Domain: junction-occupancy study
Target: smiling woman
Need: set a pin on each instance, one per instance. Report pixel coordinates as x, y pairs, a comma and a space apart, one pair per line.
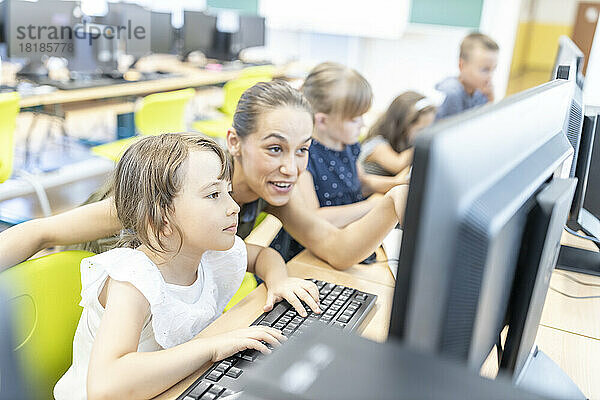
269, 143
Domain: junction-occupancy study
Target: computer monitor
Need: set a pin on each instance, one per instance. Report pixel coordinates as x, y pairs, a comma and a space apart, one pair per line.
484, 216
30, 26
584, 216
92, 55
162, 38
251, 33
569, 65
569, 54
198, 32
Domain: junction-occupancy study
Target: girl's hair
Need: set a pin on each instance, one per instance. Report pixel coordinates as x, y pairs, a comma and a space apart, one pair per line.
147, 179
400, 115
333, 88
263, 97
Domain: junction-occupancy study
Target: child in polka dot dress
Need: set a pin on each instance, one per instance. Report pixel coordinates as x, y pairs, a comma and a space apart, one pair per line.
331, 186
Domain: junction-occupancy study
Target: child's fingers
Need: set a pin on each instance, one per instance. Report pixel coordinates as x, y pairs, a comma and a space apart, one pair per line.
271, 300
271, 336
295, 302
305, 296
257, 345
312, 289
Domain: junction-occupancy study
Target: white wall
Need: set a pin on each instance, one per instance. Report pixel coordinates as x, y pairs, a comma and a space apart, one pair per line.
419, 59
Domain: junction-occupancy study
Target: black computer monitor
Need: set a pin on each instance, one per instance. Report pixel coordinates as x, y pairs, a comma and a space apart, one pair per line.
135, 22
92, 55
484, 216
569, 54
31, 26
198, 32
584, 216
162, 37
251, 33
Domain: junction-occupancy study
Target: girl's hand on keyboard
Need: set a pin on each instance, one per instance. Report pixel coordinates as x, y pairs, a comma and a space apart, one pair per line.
238, 340
294, 290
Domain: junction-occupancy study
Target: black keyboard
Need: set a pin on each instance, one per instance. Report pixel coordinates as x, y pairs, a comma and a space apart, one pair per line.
342, 307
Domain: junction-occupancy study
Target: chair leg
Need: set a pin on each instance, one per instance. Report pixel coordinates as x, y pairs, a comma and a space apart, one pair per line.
39, 191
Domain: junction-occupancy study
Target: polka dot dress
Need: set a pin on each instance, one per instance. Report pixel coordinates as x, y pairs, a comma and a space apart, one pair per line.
334, 174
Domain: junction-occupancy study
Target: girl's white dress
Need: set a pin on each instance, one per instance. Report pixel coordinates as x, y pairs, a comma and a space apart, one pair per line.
176, 315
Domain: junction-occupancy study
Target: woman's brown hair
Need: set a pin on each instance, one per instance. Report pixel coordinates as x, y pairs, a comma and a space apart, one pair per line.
393, 125
147, 179
263, 97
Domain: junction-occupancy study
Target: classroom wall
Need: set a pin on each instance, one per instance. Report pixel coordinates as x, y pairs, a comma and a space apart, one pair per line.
420, 58
541, 23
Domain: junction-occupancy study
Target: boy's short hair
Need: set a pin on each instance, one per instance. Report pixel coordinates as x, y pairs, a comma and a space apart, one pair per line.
476, 39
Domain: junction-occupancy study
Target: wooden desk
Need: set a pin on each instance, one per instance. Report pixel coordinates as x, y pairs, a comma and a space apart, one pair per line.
378, 272
188, 78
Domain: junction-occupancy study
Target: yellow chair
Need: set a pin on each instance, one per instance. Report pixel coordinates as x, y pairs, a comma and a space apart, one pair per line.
9, 108
45, 295
232, 91
261, 71
249, 283
163, 112
158, 113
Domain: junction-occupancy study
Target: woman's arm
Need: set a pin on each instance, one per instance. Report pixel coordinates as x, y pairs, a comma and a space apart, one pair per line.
118, 371
381, 184
82, 224
339, 216
342, 248
390, 160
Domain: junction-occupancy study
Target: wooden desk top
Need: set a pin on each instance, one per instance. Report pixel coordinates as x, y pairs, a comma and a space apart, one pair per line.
378, 272
568, 314
188, 78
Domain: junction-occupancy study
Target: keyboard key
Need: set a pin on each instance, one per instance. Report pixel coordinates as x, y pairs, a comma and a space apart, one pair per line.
275, 313
287, 332
214, 375
343, 318
222, 367
208, 396
250, 354
361, 296
339, 325
227, 392
200, 389
216, 390
234, 372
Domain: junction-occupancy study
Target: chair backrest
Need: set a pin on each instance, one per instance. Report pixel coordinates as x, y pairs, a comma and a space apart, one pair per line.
234, 89
163, 112
44, 294
262, 71
9, 108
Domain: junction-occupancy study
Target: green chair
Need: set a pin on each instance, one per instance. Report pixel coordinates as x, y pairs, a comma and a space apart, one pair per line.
45, 294
9, 109
157, 113
232, 91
